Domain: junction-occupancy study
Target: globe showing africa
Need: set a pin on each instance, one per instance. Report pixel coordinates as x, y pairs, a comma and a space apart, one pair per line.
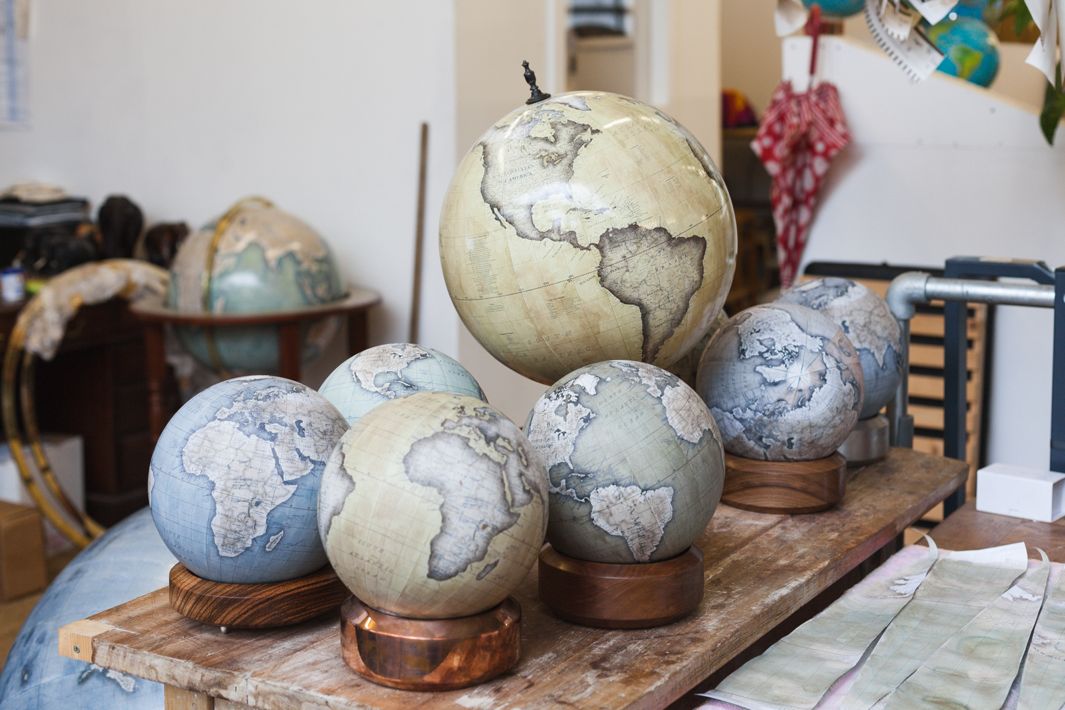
587, 227
869, 325
783, 382
255, 259
635, 462
233, 482
390, 371
433, 506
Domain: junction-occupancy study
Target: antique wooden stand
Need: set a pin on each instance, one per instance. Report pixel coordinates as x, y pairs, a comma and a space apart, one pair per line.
784, 486
430, 654
254, 606
621, 596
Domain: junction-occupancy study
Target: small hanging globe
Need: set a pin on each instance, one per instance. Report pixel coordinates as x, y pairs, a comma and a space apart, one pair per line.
256, 258
783, 382
969, 47
837, 8
233, 482
634, 459
433, 506
587, 227
386, 372
869, 325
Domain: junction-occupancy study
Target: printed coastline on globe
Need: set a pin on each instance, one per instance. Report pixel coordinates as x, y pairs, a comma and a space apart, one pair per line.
583, 228
233, 482
634, 460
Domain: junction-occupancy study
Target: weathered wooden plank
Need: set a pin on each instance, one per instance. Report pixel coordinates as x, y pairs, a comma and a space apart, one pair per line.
968, 529
76, 638
180, 699
759, 570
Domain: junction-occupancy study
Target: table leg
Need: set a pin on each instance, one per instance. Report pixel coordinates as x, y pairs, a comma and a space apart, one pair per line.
358, 332
289, 350
155, 352
180, 699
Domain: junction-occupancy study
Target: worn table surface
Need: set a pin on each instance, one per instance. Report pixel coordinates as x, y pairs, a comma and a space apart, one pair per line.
759, 570
968, 529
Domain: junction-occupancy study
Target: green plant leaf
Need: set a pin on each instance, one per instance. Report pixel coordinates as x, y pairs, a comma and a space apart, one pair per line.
1053, 110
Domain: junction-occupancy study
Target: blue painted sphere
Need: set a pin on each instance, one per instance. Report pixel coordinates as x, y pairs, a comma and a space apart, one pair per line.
391, 371
233, 482
128, 561
838, 8
969, 47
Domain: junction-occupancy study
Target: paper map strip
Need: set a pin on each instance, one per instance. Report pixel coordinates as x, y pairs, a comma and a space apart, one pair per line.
975, 668
960, 585
1043, 676
800, 668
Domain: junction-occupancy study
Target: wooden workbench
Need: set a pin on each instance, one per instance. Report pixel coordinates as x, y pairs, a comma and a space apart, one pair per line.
968, 529
759, 570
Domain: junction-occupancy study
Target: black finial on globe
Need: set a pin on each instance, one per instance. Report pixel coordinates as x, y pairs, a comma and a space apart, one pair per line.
535, 95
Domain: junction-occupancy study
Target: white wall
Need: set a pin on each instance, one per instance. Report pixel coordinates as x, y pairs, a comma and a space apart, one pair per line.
944, 169
186, 107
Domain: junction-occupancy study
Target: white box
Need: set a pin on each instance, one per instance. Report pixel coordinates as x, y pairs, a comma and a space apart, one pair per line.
1021, 492
65, 455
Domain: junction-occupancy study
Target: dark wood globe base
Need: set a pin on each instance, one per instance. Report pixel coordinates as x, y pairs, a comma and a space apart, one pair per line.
788, 487
429, 654
255, 606
621, 596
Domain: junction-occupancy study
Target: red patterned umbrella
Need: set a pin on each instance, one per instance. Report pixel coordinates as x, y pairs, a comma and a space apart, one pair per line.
800, 134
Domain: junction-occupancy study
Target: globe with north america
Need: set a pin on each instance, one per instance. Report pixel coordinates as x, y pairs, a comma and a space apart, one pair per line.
587, 227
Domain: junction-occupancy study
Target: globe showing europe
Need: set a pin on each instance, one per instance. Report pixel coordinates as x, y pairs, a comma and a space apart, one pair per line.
390, 371
587, 227
635, 462
233, 482
256, 258
433, 506
783, 382
869, 325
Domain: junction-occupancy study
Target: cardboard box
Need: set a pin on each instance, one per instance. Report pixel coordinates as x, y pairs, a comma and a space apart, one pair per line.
22, 568
1021, 492
64, 453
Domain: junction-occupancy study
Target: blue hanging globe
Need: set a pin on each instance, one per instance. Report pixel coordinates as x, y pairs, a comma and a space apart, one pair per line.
969, 47
837, 8
392, 371
233, 482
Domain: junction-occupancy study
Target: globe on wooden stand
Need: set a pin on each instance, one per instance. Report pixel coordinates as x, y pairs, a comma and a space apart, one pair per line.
233, 487
636, 468
785, 385
432, 509
868, 323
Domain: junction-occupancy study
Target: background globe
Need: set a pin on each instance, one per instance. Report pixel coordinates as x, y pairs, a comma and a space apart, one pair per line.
869, 325
386, 372
838, 8
969, 47
687, 368
634, 459
433, 506
783, 382
264, 260
233, 482
127, 561
583, 228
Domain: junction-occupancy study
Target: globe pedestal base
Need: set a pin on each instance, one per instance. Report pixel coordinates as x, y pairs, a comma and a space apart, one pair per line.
868, 442
621, 596
429, 654
254, 606
788, 487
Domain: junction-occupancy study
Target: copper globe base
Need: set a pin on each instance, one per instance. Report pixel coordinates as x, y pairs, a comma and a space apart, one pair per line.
254, 606
429, 654
621, 596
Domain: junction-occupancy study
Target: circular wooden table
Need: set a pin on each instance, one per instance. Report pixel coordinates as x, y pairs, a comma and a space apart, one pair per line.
155, 315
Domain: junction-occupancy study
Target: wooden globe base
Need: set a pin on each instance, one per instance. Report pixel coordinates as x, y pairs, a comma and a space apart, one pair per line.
789, 487
255, 606
621, 596
429, 654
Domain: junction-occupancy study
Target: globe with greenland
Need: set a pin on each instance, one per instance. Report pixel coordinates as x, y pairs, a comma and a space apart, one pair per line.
783, 382
390, 371
870, 326
635, 462
433, 506
583, 228
233, 482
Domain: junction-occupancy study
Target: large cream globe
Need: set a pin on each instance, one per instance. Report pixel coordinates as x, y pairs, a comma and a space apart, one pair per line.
583, 228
